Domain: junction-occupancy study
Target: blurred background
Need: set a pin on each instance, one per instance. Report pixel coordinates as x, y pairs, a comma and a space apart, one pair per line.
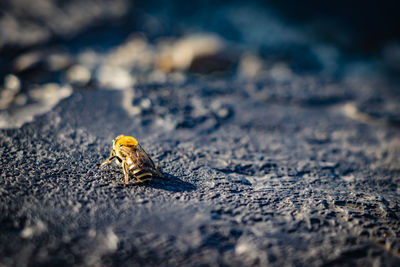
49, 48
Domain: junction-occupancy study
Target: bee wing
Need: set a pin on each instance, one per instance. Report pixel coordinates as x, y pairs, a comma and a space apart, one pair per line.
143, 159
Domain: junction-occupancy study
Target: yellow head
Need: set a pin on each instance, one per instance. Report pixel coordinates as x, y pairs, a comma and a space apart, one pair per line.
124, 141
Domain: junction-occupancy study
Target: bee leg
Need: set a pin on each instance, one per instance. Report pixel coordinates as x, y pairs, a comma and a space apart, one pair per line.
109, 160
126, 173
158, 173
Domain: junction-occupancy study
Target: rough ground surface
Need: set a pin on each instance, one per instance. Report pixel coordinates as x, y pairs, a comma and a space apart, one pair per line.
279, 167
259, 183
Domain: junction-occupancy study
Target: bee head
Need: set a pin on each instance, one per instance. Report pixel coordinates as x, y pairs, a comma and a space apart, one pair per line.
124, 140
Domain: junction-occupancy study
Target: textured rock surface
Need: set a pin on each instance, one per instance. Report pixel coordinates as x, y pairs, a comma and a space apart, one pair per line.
289, 155
265, 183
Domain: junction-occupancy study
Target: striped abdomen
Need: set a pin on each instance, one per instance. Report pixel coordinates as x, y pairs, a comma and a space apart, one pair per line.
141, 174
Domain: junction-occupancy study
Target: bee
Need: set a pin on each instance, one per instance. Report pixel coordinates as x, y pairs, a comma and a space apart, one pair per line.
127, 152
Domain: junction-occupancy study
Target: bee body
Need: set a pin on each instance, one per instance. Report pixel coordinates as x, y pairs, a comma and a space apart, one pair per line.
133, 159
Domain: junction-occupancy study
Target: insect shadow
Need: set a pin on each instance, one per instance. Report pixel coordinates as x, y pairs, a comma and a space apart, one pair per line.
169, 183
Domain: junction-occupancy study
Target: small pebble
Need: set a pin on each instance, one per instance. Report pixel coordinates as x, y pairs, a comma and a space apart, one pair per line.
58, 61
281, 72
180, 55
145, 103
21, 99
223, 113
11, 82
78, 75
89, 58
115, 78
27, 60
250, 66
50, 93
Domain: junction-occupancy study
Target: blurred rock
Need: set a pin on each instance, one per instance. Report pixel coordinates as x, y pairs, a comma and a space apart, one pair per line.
381, 108
177, 77
37, 228
281, 72
78, 75
11, 82
127, 102
145, 103
42, 61
157, 77
41, 100
89, 58
20, 33
213, 64
250, 66
50, 93
12, 86
6, 97
221, 111
27, 61
135, 53
59, 61
21, 99
115, 78
204, 53
27, 23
